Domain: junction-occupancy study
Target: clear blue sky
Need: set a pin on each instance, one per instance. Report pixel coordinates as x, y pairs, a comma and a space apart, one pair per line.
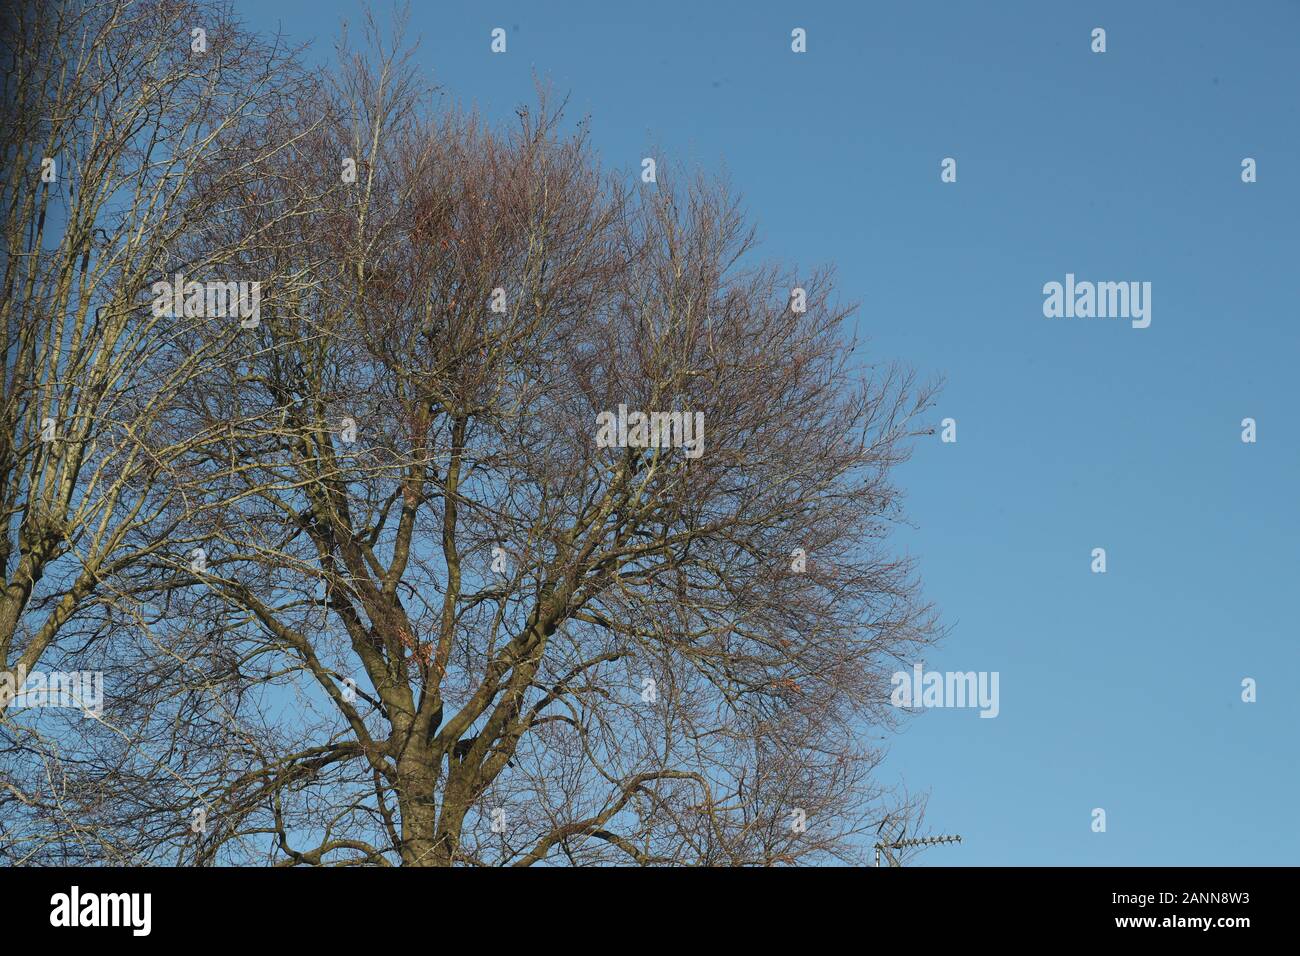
1122, 690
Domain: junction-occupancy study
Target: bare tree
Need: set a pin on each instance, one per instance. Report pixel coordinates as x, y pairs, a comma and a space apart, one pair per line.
120, 141
127, 129
458, 606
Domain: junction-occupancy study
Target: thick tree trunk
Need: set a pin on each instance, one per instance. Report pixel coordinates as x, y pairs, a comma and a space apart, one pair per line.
417, 783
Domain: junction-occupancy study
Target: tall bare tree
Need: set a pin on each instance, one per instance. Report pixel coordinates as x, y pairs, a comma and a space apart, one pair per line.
121, 140
441, 618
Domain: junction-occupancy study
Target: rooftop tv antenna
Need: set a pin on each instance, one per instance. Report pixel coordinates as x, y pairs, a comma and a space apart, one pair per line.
892, 839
